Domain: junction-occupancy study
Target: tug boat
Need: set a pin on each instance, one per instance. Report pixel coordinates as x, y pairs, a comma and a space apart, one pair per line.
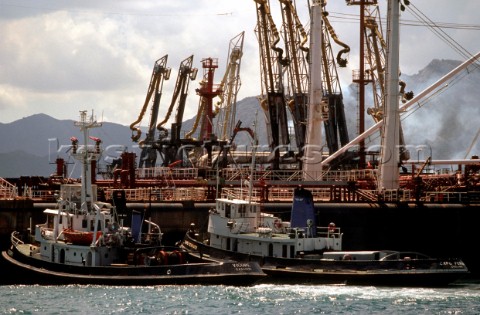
84, 241
301, 252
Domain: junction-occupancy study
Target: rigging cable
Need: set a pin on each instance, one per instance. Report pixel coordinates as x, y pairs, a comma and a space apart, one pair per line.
435, 28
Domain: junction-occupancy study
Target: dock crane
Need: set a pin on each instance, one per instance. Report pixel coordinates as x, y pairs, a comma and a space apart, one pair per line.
230, 85
160, 73
225, 108
168, 148
226, 91
205, 114
296, 44
227, 129
272, 99
336, 133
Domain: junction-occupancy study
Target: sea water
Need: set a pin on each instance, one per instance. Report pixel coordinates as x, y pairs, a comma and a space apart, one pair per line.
257, 299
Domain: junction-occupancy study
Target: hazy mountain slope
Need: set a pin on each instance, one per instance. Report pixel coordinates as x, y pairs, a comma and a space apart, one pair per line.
445, 123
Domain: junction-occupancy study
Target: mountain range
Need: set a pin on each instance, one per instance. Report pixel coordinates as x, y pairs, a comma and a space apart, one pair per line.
443, 125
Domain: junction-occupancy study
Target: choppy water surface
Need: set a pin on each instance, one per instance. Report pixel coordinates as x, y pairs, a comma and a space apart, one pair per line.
259, 299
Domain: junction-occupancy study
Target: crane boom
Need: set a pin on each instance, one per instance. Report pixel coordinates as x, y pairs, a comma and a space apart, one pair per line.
229, 86
272, 99
159, 74
148, 156
169, 148
227, 93
296, 39
336, 133
185, 74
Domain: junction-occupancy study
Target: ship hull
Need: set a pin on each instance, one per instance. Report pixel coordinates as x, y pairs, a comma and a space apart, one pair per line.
422, 272
35, 271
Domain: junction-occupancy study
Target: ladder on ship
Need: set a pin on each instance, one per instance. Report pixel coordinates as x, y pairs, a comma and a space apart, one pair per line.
367, 195
167, 177
7, 190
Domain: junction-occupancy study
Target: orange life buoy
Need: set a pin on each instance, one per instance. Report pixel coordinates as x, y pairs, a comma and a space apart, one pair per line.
176, 257
162, 257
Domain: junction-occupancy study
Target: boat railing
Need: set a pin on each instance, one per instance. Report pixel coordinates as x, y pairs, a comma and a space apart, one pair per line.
136, 194
395, 195
162, 194
242, 194
170, 172
321, 231
399, 195
329, 231
280, 194
7, 190
43, 195
446, 196
15, 240
275, 194
283, 194
232, 174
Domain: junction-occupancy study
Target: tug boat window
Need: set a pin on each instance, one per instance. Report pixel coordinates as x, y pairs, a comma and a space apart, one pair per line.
242, 210
227, 210
62, 256
50, 221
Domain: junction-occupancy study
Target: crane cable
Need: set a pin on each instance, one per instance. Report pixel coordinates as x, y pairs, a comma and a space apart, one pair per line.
438, 31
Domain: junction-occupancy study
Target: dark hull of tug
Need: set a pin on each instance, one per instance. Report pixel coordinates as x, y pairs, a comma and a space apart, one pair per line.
416, 272
405, 278
34, 271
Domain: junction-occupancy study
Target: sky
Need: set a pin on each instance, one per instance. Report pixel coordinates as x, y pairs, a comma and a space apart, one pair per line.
59, 57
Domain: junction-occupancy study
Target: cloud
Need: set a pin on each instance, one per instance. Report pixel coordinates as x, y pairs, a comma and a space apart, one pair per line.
76, 55
58, 52
60, 57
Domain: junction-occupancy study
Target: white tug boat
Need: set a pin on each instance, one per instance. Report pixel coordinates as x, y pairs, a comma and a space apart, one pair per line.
301, 252
85, 241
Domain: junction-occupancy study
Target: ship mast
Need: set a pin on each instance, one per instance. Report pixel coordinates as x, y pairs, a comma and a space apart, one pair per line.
317, 110
389, 167
87, 156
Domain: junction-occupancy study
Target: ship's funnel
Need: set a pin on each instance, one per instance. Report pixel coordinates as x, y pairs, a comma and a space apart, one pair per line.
303, 212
